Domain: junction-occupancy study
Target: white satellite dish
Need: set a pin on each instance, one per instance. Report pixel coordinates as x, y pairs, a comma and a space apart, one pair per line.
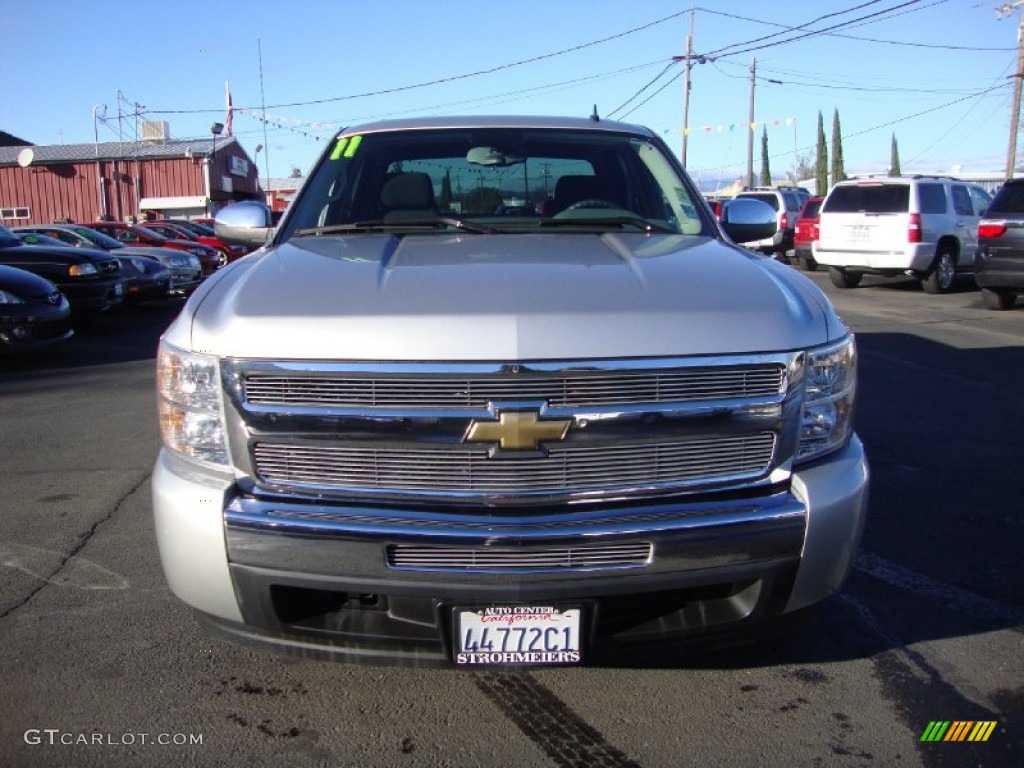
25, 157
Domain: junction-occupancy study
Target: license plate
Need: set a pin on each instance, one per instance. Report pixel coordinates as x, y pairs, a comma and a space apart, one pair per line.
119, 289
860, 233
507, 635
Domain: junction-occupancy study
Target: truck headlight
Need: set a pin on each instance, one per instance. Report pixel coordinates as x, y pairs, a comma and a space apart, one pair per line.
830, 385
191, 419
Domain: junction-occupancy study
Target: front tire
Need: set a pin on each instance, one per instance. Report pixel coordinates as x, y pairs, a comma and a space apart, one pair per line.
998, 298
842, 279
943, 274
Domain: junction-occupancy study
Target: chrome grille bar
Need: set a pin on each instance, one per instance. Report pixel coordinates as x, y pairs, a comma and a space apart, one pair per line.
566, 389
565, 468
596, 557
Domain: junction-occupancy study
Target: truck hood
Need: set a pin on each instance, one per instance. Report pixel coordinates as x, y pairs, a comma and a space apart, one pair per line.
503, 297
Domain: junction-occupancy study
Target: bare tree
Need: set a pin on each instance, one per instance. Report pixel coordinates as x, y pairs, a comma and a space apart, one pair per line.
803, 168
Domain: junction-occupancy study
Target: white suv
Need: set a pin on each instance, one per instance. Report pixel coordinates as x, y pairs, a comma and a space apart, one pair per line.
922, 226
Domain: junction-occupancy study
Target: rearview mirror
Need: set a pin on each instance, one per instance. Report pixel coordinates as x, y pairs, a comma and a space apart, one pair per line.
491, 157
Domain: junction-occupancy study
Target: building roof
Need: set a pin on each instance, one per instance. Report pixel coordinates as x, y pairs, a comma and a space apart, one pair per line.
10, 140
287, 183
116, 150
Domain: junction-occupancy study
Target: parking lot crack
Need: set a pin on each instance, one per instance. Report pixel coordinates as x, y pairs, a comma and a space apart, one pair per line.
65, 568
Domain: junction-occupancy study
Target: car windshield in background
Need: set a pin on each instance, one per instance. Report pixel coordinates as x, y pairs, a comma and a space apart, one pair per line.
879, 198
1010, 200
104, 241
496, 180
769, 198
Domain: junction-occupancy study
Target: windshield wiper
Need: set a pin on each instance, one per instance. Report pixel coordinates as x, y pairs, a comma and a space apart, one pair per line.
610, 221
377, 225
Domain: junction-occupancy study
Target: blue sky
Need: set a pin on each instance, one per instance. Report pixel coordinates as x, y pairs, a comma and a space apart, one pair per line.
934, 72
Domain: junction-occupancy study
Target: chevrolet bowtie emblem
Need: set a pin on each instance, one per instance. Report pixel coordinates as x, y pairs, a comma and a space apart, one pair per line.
517, 430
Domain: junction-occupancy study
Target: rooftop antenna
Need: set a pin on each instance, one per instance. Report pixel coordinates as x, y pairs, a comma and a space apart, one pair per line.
594, 116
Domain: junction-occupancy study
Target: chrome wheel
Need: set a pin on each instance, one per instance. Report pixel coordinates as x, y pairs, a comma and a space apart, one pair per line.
943, 273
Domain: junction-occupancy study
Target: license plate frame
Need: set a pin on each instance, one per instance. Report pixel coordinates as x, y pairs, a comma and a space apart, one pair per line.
860, 232
517, 635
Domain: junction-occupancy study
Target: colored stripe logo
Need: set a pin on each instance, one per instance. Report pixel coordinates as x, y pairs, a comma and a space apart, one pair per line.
959, 730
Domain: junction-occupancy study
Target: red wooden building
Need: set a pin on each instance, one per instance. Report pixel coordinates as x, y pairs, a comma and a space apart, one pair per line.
124, 180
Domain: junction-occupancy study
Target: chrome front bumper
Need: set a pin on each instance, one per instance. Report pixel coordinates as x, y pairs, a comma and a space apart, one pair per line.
377, 584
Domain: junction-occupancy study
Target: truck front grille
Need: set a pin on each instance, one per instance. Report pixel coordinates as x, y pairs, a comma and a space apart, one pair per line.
441, 433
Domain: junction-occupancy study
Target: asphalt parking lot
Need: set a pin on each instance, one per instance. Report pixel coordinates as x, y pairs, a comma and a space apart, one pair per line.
102, 666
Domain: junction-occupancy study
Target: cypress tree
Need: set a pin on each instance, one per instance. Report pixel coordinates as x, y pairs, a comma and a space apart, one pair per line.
446, 190
766, 173
821, 160
894, 158
838, 172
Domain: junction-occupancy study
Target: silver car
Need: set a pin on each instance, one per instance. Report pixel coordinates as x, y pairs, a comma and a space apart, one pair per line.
501, 391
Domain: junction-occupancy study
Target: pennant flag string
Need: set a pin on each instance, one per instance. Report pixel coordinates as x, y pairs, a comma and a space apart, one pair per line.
775, 123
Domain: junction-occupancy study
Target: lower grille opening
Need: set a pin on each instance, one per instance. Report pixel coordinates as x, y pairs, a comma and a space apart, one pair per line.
637, 617
313, 608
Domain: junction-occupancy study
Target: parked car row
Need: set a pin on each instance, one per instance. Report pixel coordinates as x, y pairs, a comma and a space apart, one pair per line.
58, 275
932, 228
144, 279
138, 235
91, 279
185, 269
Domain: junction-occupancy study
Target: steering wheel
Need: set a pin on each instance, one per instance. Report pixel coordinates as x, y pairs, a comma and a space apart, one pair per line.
591, 202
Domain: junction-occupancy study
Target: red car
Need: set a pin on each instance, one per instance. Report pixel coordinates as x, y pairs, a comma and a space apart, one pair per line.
201, 234
133, 234
806, 233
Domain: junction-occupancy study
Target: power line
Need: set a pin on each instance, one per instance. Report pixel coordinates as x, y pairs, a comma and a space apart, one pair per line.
814, 33
858, 37
666, 85
797, 28
443, 80
644, 88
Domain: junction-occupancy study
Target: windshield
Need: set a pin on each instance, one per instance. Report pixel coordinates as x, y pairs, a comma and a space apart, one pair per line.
497, 180
146, 232
868, 198
98, 238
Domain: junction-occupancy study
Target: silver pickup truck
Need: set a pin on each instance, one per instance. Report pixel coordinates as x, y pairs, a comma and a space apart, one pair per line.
503, 391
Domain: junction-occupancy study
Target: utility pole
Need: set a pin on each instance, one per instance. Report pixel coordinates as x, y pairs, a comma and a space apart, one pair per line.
1018, 75
686, 88
750, 126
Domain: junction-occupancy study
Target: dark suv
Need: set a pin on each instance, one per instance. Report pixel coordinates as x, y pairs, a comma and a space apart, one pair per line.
91, 279
999, 263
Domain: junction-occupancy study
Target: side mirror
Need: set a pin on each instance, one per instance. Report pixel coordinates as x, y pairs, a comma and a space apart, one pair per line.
746, 220
247, 223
